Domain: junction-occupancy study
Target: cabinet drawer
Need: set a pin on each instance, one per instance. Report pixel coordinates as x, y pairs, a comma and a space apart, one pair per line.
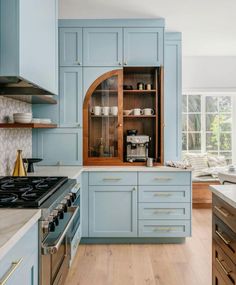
165, 211
223, 264
164, 193
217, 278
24, 248
225, 212
225, 237
113, 178
165, 228
164, 178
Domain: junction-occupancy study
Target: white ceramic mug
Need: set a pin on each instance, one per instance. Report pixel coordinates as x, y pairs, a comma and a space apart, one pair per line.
114, 110
97, 110
137, 112
105, 110
148, 111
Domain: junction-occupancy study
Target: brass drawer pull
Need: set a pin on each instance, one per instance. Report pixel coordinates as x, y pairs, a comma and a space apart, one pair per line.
8, 274
163, 229
163, 194
227, 242
222, 266
163, 178
163, 211
111, 179
222, 211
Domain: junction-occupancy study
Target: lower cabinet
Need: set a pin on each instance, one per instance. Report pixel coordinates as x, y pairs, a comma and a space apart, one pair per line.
20, 264
112, 211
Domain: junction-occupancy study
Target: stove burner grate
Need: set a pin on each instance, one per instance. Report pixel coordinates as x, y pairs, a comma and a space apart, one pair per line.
8, 198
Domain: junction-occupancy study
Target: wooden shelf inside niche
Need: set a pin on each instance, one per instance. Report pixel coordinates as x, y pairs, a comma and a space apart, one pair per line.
141, 116
140, 91
103, 116
29, 125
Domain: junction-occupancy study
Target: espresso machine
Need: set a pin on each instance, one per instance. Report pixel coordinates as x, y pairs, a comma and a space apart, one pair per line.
136, 146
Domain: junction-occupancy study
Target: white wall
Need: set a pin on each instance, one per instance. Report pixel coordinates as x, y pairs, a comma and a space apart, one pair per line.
209, 73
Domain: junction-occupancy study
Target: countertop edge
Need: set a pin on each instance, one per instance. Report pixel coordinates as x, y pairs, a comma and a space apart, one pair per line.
19, 234
221, 195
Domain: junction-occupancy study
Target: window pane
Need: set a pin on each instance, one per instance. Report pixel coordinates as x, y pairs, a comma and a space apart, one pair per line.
211, 104
225, 104
211, 141
184, 122
225, 122
194, 103
212, 122
184, 103
194, 122
184, 141
225, 141
194, 141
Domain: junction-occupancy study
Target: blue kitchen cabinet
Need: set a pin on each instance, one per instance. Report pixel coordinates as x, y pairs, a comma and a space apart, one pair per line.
112, 211
24, 258
29, 41
143, 46
172, 98
62, 146
102, 46
71, 97
70, 46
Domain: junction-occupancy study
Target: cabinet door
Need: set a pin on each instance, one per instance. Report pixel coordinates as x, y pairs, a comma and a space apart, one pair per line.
102, 46
143, 46
59, 146
172, 98
71, 101
112, 211
70, 46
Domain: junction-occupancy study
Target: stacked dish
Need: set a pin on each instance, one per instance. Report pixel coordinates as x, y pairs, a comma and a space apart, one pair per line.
23, 118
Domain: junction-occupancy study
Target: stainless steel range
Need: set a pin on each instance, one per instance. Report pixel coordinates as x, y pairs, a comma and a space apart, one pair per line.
59, 201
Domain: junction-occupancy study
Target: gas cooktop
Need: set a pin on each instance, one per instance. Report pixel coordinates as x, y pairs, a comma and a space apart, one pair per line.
28, 192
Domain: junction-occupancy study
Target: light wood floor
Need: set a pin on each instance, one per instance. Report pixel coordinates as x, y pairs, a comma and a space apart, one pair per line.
183, 264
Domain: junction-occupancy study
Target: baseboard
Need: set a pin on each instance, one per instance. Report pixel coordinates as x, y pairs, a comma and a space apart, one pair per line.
131, 240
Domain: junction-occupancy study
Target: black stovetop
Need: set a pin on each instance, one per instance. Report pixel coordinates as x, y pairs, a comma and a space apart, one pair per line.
28, 192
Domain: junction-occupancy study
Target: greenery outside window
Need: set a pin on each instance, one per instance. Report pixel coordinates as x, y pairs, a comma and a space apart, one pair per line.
207, 124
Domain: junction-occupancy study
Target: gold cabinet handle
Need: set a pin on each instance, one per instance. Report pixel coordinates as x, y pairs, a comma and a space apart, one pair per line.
162, 211
163, 194
8, 274
111, 179
222, 211
163, 229
162, 178
222, 266
220, 235
134, 189
78, 62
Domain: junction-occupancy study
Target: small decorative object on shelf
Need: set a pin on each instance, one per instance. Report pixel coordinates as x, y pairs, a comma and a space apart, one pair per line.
148, 86
19, 168
140, 86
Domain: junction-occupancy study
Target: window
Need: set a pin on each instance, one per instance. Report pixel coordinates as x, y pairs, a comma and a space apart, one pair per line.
207, 124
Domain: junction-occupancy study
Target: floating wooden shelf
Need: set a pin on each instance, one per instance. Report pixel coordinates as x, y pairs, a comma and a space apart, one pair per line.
140, 91
29, 125
141, 116
103, 116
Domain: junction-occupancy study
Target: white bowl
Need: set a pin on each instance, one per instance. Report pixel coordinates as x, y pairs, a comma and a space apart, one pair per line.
22, 120
22, 114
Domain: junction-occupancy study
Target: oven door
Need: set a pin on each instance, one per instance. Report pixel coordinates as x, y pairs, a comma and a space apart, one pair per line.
56, 251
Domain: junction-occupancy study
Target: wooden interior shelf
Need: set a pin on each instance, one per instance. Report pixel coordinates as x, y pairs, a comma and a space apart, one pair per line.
141, 116
29, 125
140, 91
103, 116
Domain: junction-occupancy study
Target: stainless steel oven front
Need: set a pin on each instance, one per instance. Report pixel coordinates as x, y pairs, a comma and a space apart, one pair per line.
55, 250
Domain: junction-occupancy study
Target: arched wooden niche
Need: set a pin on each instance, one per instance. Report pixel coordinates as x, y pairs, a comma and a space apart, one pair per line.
103, 120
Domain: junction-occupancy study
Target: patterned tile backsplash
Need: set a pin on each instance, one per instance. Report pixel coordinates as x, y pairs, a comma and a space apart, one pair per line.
13, 139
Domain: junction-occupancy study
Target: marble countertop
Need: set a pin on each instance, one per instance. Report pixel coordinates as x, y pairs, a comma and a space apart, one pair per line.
14, 223
226, 193
75, 171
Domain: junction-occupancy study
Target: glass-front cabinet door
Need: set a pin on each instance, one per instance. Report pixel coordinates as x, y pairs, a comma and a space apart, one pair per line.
103, 138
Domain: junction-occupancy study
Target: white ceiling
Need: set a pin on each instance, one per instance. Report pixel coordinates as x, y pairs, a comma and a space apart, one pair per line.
208, 26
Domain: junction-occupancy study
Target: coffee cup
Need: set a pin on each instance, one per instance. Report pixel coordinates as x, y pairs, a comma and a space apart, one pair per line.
137, 112
97, 110
148, 111
114, 110
105, 110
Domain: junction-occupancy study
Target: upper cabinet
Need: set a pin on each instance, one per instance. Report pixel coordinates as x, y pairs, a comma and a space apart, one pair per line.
70, 46
28, 42
102, 46
143, 46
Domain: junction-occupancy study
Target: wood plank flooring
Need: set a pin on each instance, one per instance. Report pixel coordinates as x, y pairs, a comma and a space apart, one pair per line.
168, 264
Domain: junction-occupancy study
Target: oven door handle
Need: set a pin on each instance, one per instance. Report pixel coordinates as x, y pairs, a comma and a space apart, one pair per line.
52, 249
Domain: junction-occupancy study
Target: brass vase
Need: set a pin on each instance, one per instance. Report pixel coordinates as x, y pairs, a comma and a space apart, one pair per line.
19, 168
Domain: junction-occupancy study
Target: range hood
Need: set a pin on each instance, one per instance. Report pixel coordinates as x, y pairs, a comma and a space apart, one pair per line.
28, 49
